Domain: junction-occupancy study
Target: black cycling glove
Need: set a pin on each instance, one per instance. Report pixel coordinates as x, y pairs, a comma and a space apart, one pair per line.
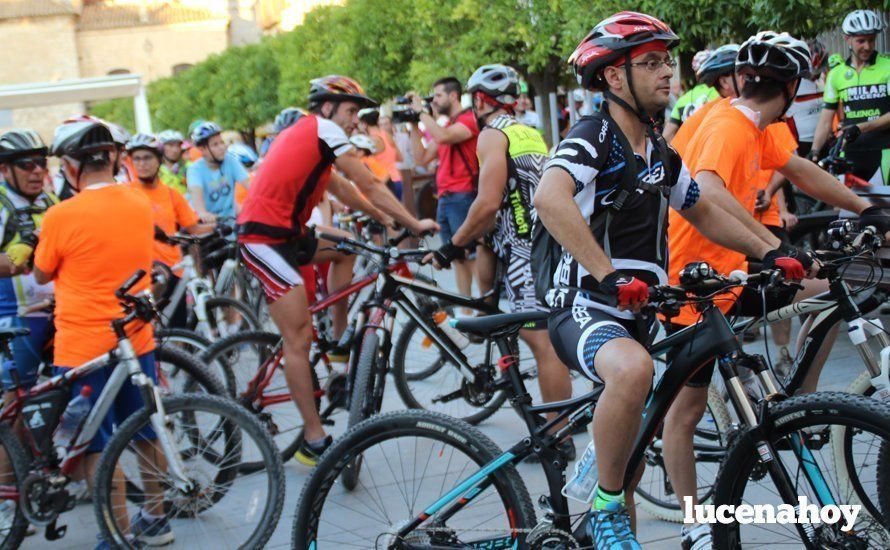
449, 252
851, 134
798, 253
877, 216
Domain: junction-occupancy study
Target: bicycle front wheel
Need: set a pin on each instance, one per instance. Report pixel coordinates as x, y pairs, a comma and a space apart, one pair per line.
225, 316
412, 459
366, 396
801, 436
215, 499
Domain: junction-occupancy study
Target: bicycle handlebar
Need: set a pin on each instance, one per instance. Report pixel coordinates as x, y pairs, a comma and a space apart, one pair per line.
121, 293
352, 246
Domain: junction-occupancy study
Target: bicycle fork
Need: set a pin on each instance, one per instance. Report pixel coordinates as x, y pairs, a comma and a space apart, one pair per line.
860, 330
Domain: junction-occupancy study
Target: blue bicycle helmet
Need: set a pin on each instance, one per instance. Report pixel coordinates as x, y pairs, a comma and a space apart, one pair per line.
204, 131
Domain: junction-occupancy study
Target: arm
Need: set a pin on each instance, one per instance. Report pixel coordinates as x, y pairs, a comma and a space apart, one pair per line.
491, 149
560, 215
197, 196
714, 190
880, 123
765, 195
423, 155
9, 269
42, 277
786, 218
711, 220
823, 129
349, 195
821, 185
456, 133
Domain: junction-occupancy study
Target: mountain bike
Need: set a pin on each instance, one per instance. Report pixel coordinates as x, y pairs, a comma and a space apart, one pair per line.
841, 303
180, 453
431, 481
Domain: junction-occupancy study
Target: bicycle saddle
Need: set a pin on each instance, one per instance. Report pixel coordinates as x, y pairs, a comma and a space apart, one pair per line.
501, 324
8, 333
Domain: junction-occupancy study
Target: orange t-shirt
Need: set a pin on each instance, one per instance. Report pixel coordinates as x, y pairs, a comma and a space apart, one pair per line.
171, 211
389, 156
92, 243
376, 168
729, 144
785, 139
691, 124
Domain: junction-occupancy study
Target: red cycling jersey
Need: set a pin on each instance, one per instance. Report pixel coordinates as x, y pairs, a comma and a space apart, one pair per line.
291, 180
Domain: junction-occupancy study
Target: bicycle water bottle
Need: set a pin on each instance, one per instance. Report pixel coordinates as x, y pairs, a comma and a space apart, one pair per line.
583, 484
456, 336
75, 414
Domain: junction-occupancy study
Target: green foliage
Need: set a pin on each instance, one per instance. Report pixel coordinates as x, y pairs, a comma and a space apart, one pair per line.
391, 46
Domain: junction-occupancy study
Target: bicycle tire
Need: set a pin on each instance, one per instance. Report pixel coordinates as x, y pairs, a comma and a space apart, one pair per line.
20, 461
420, 423
363, 403
238, 422
791, 417
670, 510
225, 350
193, 342
198, 376
403, 384
249, 319
839, 441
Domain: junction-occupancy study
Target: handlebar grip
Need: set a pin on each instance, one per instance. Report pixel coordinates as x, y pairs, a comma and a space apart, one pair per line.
397, 240
329, 237
120, 292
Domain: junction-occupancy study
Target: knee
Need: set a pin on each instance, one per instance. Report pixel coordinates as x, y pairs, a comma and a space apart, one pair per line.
684, 417
634, 375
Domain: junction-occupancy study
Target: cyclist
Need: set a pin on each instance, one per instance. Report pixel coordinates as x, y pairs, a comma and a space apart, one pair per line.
212, 179
22, 205
174, 165
727, 149
511, 159
171, 211
275, 242
618, 250
89, 245
859, 91
687, 103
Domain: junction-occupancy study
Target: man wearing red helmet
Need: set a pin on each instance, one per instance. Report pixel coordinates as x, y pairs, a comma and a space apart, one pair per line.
274, 239
604, 197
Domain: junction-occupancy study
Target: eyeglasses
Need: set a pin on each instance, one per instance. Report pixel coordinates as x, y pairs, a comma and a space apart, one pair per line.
653, 65
29, 164
142, 158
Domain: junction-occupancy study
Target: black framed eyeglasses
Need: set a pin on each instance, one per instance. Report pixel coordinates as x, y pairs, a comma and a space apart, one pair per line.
30, 163
653, 65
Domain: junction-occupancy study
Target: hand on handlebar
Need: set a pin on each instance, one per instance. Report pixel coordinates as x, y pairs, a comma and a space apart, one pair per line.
425, 227
877, 216
629, 292
783, 258
763, 200
444, 255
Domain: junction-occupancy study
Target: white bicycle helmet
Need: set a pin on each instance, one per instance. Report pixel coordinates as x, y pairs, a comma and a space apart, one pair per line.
499, 82
698, 59
361, 141
862, 23
170, 136
778, 56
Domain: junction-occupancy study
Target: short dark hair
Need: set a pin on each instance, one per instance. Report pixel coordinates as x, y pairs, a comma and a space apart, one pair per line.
450, 84
761, 90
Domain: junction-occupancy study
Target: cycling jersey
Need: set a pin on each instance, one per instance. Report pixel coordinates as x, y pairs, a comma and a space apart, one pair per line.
511, 238
171, 212
20, 290
803, 115
291, 180
863, 95
174, 178
634, 237
690, 101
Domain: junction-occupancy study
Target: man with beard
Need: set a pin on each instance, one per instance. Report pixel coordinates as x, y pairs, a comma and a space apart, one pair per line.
457, 176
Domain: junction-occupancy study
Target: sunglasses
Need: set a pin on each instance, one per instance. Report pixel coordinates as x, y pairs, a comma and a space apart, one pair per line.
30, 164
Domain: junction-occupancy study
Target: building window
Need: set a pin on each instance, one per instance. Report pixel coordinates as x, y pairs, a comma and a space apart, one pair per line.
118, 71
181, 67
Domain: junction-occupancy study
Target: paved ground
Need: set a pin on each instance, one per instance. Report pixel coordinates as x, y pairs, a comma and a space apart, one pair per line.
503, 428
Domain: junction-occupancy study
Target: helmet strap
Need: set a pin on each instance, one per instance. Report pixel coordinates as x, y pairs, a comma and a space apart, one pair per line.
641, 116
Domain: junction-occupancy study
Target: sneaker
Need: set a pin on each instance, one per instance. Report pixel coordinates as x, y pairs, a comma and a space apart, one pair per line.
308, 455
609, 529
151, 532
697, 537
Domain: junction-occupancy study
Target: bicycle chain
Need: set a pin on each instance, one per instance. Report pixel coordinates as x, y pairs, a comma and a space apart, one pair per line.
567, 537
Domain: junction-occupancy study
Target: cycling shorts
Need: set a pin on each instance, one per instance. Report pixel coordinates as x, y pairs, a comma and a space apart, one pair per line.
578, 333
277, 266
27, 351
871, 165
127, 402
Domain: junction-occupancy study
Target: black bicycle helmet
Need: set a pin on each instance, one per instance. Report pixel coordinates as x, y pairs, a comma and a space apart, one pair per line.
719, 62
21, 142
81, 138
777, 56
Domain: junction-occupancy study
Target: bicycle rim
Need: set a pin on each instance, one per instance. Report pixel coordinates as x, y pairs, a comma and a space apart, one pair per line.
224, 508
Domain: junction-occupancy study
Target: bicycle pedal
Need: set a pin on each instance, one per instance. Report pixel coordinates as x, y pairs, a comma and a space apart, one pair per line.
54, 533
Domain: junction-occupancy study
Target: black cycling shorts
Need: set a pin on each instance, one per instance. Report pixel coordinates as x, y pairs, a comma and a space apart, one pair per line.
578, 333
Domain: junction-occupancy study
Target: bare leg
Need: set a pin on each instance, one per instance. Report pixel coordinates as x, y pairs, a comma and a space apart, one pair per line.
463, 274
486, 268
679, 430
339, 276
153, 467
553, 377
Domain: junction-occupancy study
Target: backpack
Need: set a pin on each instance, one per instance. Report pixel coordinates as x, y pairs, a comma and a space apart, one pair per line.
547, 252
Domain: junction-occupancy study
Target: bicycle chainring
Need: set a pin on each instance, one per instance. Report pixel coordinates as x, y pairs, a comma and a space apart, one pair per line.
478, 392
44, 498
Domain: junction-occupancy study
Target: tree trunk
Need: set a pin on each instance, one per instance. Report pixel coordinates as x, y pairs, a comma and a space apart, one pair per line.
544, 83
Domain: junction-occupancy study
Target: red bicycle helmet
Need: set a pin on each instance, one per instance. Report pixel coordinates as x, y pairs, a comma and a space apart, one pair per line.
337, 88
613, 38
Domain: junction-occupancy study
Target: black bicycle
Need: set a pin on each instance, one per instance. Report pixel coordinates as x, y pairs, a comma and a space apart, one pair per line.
431, 481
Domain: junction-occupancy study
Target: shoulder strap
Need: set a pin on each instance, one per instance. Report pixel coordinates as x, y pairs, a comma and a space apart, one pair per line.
629, 182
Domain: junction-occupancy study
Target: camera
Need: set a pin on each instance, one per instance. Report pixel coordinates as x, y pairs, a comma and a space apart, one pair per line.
402, 100
402, 113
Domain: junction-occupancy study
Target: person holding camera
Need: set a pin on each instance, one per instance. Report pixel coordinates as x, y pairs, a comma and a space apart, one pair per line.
457, 176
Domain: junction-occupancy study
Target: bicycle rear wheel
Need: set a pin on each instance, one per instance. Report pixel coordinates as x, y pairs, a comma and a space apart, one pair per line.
180, 372
244, 354
223, 507
225, 316
412, 459
366, 397
802, 428
14, 465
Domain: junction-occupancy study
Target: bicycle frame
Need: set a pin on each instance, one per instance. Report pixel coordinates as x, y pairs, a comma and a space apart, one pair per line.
713, 336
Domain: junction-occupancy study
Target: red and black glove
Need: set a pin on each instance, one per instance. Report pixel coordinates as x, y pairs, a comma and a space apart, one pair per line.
627, 290
791, 267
